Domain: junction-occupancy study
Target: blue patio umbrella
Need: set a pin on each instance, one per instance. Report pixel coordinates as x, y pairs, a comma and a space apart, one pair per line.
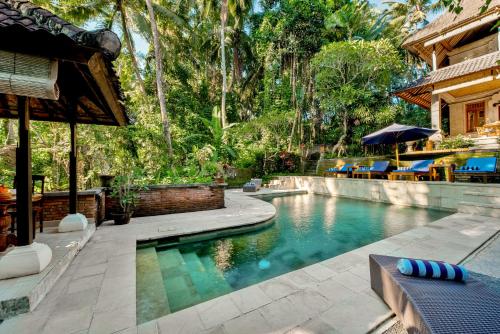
397, 133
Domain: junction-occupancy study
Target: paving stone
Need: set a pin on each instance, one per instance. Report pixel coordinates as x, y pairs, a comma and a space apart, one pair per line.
252, 322
112, 299
150, 327
69, 321
186, 321
309, 302
83, 271
250, 298
313, 326
334, 291
77, 300
358, 314
282, 315
85, 283
319, 271
113, 320
216, 311
277, 288
352, 281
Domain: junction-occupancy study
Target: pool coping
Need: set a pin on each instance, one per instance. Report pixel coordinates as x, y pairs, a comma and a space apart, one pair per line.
98, 292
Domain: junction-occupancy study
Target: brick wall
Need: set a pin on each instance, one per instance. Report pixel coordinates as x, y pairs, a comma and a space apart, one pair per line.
156, 200
160, 200
90, 203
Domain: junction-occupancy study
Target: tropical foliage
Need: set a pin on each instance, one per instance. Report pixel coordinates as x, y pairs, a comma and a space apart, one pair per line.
244, 83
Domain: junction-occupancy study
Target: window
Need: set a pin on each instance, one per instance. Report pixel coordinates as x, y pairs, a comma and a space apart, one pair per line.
475, 115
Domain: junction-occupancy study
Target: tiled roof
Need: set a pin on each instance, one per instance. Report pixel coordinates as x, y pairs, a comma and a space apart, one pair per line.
458, 70
447, 21
33, 18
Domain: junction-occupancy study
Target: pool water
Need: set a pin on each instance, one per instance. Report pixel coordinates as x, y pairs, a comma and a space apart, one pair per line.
307, 229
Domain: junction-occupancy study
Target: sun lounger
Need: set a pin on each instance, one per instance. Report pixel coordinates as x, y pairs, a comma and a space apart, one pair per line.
417, 169
426, 305
379, 168
250, 187
480, 168
344, 170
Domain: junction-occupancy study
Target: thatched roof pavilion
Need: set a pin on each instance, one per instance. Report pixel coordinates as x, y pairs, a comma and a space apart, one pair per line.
51, 70
86, 76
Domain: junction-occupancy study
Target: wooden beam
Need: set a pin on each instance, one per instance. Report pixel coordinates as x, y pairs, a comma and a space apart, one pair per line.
464, 84
23, 175
101, 76
486, 19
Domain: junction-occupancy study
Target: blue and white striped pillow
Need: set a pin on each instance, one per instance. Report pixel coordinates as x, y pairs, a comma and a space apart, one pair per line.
432, 269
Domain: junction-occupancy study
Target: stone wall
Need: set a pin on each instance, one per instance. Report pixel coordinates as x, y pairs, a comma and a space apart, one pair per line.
437, 195
165, 199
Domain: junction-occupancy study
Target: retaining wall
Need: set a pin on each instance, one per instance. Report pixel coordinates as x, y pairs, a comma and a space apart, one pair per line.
437, 195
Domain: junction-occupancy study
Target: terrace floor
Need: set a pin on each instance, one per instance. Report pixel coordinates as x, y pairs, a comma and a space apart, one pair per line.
97, 294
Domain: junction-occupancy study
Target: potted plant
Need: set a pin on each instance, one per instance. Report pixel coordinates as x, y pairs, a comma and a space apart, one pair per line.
127, 195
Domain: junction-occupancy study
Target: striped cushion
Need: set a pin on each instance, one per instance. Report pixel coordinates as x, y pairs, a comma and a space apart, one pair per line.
434, 269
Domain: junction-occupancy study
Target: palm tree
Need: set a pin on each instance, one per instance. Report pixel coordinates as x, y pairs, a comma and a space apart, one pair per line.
411, 14
238, 9
159, 79
122, 9
223, 21
104, 12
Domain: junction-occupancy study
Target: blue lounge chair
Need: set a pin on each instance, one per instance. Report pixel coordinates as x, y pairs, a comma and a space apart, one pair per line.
379, 168
417, 169
481, 168
344, 170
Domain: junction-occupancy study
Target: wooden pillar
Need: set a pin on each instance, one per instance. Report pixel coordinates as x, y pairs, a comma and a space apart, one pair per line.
23, 175
72, 170
434, 58
436, 111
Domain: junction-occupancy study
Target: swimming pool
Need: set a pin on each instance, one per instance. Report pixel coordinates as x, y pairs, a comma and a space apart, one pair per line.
307, 229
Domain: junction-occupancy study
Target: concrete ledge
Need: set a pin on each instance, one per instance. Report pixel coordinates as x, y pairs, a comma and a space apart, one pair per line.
23, 294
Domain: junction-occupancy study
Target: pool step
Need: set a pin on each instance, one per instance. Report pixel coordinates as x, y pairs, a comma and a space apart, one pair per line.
207, 278
150, 290
178, 284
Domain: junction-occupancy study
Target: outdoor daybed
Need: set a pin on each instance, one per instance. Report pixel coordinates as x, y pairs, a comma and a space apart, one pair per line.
417, 169
426, 305
379, 168
481, 168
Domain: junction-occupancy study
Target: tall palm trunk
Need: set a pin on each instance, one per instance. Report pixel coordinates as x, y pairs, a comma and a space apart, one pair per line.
223, 20
296, 118
159, 79
130, 47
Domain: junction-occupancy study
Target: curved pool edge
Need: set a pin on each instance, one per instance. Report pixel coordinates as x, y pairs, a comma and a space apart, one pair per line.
240, 212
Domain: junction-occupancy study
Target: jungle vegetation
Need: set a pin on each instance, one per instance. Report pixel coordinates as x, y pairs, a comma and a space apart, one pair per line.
241, 83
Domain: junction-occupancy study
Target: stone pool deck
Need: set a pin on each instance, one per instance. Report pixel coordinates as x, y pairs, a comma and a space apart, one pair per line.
97, 294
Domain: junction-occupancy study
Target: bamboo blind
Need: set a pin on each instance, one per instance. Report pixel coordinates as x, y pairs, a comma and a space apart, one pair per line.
27, 75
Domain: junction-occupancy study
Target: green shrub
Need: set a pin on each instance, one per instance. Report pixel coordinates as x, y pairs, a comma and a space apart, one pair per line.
456, 142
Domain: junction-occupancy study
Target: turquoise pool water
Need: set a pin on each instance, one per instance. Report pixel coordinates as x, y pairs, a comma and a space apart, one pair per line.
307, 229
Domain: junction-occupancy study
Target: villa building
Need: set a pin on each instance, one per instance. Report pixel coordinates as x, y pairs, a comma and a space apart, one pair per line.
462, 91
